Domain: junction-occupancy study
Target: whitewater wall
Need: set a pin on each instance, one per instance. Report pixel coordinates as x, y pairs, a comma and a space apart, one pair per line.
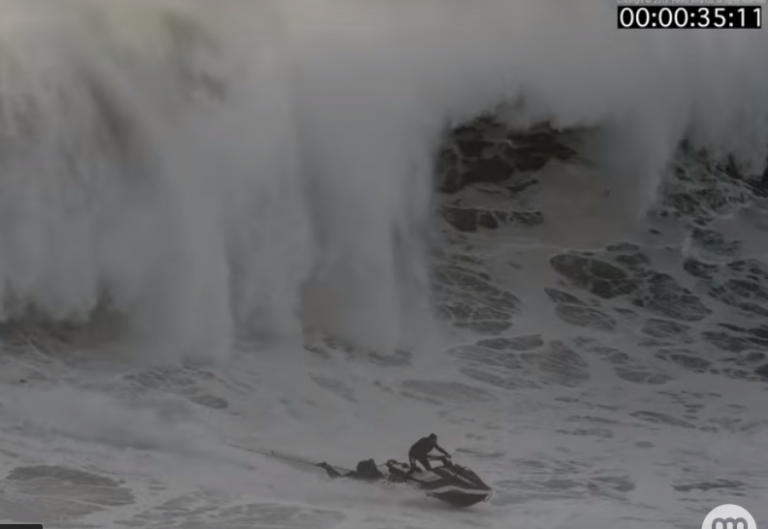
262, 167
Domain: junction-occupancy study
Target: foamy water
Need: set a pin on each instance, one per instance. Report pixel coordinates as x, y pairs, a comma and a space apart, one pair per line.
189, 182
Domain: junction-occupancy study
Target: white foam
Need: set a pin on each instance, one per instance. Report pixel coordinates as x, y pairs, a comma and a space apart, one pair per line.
267, 165
260, 167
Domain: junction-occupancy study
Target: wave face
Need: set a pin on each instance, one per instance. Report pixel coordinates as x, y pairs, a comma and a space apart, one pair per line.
332, 226
256, 167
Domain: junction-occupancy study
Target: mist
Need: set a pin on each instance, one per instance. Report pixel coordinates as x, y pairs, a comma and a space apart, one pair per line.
259, 168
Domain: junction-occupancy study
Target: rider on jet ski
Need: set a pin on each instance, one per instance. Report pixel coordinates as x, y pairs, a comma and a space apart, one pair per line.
367, 469
420, 450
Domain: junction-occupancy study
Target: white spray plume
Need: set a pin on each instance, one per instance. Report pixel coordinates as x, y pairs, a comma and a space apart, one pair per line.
210, 168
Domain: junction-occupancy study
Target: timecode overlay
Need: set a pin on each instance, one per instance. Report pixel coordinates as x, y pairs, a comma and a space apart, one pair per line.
709, 16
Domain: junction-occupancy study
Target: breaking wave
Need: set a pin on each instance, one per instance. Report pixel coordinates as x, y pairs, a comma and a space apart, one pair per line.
201, 172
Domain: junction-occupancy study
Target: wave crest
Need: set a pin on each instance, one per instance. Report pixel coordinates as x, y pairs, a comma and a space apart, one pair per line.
261, 167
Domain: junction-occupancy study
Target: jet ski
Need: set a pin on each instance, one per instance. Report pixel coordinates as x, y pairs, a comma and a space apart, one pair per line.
449, 482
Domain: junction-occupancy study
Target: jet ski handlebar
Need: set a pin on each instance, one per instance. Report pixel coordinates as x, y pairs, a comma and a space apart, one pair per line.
445, 460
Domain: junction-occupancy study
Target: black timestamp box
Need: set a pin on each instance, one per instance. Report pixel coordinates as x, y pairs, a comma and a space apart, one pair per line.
689, 16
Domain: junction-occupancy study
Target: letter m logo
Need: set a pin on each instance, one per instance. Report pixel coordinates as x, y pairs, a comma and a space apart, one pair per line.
729, 523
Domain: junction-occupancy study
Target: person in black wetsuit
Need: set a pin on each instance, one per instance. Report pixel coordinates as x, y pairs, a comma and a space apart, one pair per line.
420, 450
366, 470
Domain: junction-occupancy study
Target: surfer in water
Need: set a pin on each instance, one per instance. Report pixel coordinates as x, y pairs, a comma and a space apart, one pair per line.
366, 470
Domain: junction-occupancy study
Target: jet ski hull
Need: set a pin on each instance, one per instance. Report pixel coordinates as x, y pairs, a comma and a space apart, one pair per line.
460, 498
450, 483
